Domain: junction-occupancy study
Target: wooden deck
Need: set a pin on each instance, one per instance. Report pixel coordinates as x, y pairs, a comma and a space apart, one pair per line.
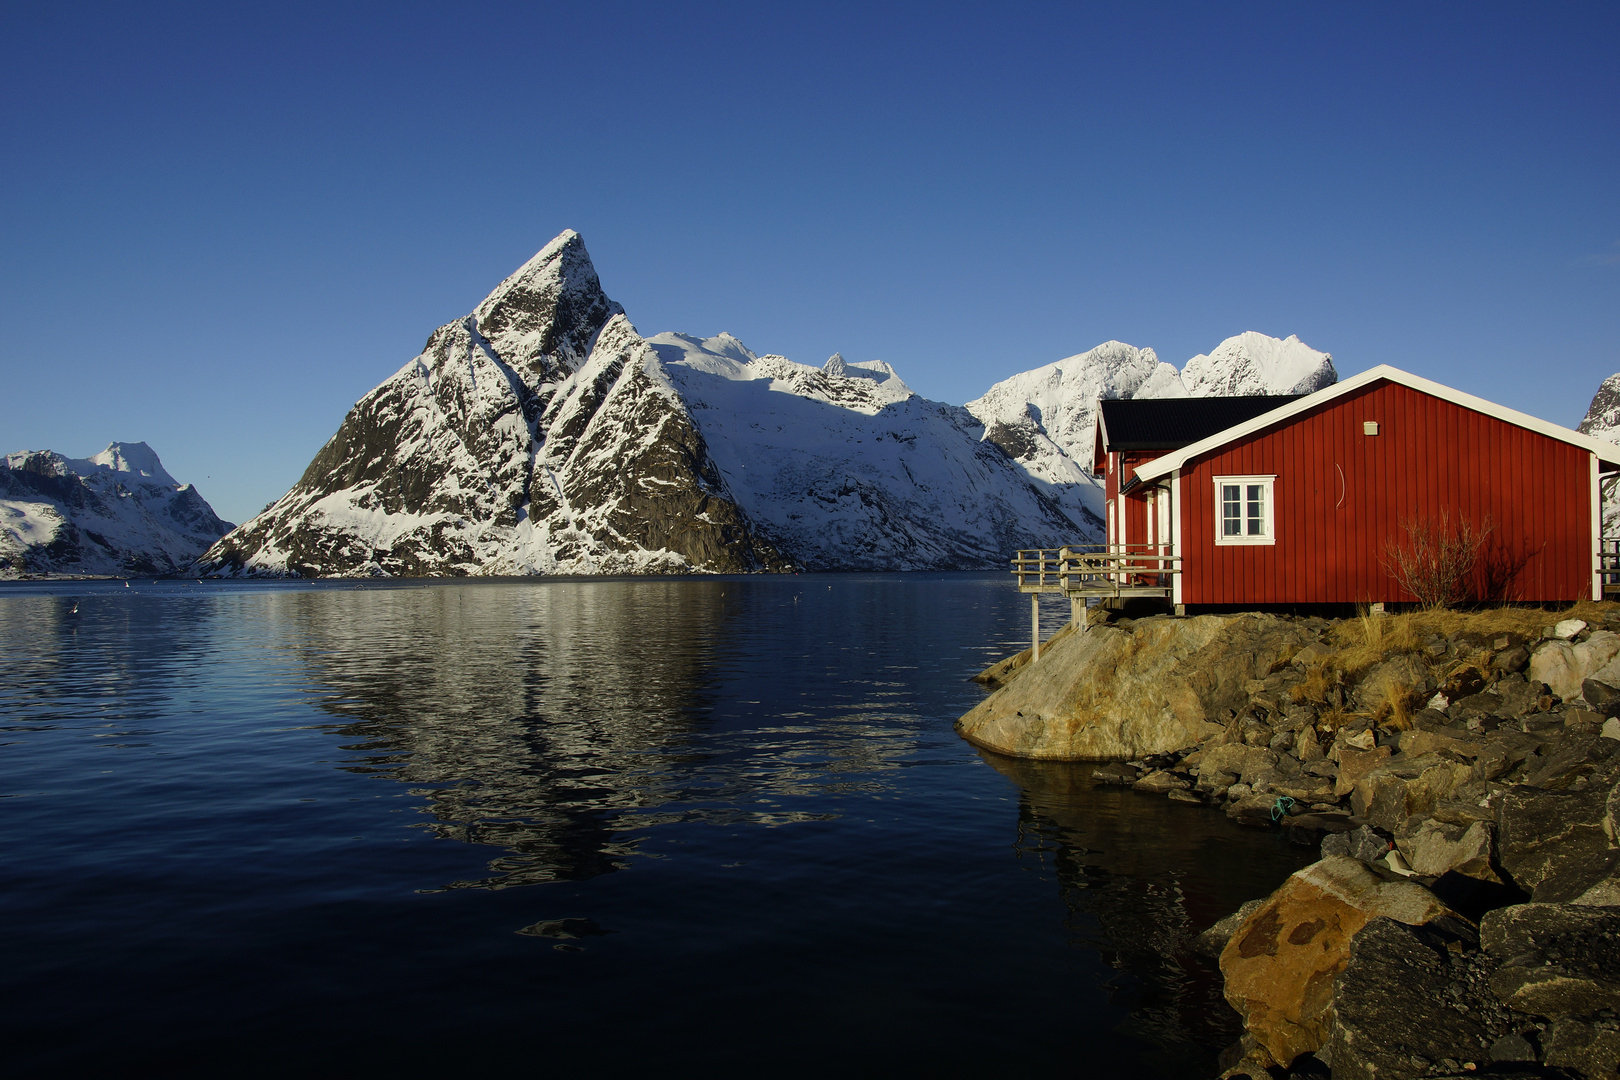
1101, 571
1609, 566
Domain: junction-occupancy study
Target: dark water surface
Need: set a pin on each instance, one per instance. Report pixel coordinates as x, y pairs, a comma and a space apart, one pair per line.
713, 826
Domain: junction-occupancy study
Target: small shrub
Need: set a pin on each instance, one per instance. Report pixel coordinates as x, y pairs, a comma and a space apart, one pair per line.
1436, 563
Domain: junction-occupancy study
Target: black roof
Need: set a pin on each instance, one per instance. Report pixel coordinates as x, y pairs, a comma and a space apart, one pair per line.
1171, 423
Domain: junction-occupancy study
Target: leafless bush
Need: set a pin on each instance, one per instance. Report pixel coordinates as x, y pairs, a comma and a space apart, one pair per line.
1437, 560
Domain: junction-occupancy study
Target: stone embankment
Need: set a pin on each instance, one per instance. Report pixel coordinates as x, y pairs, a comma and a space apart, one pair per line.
1461, 774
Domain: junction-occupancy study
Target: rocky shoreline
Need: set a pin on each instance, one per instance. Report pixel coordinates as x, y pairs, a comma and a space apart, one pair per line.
1461, 774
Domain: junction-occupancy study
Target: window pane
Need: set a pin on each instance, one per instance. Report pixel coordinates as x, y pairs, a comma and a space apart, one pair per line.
1231, 510
1257, 510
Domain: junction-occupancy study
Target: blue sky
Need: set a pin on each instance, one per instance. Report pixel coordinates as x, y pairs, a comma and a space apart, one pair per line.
224, 223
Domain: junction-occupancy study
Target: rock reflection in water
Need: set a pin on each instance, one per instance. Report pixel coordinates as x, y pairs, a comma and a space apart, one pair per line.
1141, 877
559, 722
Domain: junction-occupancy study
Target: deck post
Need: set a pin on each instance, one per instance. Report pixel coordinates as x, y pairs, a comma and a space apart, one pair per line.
1035, 626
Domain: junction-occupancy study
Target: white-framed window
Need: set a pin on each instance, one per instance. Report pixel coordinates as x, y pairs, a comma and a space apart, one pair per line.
1244, 510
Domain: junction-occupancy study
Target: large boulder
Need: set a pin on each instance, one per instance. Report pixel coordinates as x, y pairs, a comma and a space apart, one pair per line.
1436, 848
1245, 763
1403, 786
1156, 686
1564, 665
1552, 843
1399, 676
1281, 962
1554, 959
1591, 1048
1403, 1005
1356, 764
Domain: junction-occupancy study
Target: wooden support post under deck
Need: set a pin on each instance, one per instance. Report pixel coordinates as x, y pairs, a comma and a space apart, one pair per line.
1035, 625
1077, 612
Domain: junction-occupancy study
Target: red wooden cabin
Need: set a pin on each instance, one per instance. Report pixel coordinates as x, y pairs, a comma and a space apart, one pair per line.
1298, 500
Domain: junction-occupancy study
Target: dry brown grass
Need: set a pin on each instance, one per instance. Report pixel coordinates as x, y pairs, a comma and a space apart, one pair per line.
1527, 622
1332, 719
1396, 710
1359, 643
1363, 641
1315, 686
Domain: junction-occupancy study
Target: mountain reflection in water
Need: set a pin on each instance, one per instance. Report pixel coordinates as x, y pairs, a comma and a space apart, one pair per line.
288, 820
560, 724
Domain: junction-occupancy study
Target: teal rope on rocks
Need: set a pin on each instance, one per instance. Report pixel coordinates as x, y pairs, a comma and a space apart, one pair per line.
1279, 809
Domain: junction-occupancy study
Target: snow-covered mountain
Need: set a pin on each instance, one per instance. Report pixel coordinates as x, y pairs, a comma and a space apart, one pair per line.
1602, 421
1045, 418
844, 467
542, 434
118, 513
1251, 364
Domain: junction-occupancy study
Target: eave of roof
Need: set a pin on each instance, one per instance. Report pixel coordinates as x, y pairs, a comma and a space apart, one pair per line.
1607, 453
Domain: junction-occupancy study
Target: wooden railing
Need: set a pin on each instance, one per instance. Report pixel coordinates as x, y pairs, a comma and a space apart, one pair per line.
1609, 563
1083, 571
1100, 569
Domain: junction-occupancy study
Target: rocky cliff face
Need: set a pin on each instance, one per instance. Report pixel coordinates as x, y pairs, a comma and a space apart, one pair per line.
117, 513
542, 434
1602, 421
537, 435
1045, 418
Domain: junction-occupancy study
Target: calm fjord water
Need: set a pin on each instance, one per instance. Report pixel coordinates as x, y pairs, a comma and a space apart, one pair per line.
712, 825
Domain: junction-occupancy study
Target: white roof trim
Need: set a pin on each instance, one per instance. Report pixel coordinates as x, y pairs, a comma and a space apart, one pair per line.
1101, 432
1608, 453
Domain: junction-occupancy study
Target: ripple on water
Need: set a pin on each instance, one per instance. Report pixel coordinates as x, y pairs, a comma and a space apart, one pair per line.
430, 824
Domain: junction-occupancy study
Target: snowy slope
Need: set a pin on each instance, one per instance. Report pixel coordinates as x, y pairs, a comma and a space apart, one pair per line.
1252, 363
844, 467
1045, 418
117, 513
541, 434
1602, 421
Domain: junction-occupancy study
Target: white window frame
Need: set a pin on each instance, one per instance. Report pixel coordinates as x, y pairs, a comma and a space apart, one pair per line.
1269, 516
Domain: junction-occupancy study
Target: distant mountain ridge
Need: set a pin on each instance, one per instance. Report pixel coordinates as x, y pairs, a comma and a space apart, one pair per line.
542, 434
116, 514
1045, 418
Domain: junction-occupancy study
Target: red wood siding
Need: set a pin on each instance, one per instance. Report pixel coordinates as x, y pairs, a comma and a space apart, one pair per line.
1429, 454
1133, 507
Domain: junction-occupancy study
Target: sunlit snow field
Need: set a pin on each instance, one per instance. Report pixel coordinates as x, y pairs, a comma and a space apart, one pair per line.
716, 825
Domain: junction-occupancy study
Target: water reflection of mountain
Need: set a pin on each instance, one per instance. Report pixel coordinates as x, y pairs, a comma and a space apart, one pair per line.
559, 721
1140, 878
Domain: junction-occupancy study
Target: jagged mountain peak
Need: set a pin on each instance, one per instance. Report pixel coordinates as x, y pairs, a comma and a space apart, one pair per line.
136, 459
1602, 419
1254, 363
546, 313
